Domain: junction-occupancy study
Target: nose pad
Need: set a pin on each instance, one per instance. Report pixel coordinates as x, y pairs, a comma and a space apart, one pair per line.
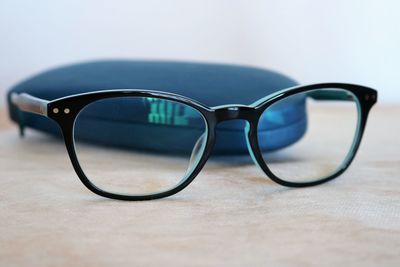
248, 132
196, 153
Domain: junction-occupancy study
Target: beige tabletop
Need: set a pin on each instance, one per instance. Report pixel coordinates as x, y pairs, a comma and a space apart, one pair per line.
231, 215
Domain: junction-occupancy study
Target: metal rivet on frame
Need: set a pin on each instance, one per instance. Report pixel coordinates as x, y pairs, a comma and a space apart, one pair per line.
366, 97
55, 110
66, 110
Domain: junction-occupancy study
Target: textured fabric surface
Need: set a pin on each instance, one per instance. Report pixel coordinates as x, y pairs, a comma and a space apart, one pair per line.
230, 215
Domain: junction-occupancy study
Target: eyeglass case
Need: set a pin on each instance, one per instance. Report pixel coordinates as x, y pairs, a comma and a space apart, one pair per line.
210, 84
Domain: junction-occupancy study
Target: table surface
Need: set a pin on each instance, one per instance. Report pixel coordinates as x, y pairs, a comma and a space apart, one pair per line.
230, 215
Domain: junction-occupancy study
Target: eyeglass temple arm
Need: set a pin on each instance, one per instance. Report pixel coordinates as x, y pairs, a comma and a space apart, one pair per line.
28, 103
330, 95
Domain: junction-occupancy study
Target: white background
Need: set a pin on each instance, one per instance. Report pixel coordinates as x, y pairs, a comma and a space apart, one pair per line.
354, 41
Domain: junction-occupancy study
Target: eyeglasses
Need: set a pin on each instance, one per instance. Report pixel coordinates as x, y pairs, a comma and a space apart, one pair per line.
336, 116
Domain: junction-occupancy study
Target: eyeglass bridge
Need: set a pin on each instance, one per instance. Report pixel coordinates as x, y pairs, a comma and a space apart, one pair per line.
233, 112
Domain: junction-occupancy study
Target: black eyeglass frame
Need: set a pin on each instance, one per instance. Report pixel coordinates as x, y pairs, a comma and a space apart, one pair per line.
65, 110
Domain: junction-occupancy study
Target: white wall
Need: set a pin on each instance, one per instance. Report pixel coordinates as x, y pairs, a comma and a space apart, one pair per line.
349, 41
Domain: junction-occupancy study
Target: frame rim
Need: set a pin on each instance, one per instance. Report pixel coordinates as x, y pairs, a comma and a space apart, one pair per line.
212, 115
80, 101
366, 98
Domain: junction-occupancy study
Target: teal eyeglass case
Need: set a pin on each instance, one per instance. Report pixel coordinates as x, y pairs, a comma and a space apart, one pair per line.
210, 84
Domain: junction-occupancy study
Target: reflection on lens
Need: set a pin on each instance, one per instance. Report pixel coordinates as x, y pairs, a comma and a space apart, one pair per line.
328, 120
138, 145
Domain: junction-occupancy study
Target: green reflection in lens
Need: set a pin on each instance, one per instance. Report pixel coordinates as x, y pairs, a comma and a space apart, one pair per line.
168, 113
